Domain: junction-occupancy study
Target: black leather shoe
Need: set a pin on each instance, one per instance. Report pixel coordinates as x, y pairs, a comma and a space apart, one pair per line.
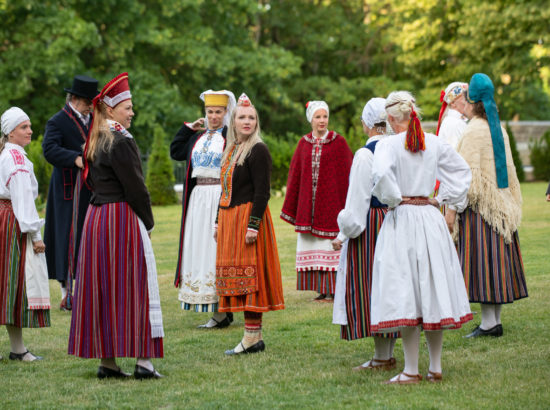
107, 373
142, 373
230, 316
255, 348
219, 325
495, 331
20, 356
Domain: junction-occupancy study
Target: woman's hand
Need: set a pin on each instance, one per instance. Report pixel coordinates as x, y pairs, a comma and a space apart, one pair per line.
336, 244
251, 237
450, 216
39, 247
216, 234
197, 125
548, 198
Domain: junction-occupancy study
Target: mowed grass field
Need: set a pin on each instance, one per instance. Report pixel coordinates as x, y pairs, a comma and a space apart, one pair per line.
305, 364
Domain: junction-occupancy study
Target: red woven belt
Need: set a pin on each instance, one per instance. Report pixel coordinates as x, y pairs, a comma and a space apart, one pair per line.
208, 181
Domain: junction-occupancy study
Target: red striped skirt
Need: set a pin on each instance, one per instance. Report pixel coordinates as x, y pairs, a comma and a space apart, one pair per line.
493, 270
232, 227
13, 295
111, 301
321, 281
359, 261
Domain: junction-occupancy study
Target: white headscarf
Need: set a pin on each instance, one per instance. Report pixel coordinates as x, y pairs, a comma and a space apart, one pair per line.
12, 118
454, 90
231, 103
314, 106
374, 112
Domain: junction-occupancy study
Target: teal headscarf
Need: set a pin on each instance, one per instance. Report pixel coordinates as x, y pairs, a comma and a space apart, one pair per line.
481, 88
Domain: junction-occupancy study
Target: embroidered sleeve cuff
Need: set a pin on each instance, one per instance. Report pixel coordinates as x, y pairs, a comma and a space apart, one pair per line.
251, 230
254, 223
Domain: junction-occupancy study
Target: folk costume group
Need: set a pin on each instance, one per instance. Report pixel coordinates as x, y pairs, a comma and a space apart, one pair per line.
375, 230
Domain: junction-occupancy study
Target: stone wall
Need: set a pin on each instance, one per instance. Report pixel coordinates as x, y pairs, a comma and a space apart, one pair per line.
525, 133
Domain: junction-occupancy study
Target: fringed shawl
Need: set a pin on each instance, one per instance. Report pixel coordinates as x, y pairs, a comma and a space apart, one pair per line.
499, 207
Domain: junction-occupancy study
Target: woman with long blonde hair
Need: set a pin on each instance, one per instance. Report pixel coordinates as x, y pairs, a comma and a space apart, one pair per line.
248, 272
117, 305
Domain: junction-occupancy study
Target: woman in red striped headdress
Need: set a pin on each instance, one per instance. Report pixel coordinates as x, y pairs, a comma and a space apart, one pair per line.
116, 304
248, 272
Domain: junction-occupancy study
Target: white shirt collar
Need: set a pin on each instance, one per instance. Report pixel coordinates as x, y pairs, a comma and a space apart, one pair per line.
83, 118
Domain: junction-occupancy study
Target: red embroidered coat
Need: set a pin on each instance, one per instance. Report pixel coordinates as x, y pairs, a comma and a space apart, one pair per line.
317, 184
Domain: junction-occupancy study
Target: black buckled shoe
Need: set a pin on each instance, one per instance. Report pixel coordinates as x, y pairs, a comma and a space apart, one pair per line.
141, 372
255, 348
20, 357
108, 373
495, 331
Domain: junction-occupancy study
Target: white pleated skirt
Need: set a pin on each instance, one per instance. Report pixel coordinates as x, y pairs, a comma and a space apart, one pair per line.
198, 285
417, 277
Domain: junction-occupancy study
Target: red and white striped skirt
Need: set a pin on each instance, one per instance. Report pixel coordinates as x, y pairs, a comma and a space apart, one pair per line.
14, 306
111, 301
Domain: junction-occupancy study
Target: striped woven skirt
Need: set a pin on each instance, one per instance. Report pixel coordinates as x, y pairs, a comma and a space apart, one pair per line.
111, 301
359, 260
232, 227
316, 264
13, 296
493, 270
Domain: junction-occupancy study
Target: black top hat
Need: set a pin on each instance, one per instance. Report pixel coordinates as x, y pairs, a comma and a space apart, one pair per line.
84, 86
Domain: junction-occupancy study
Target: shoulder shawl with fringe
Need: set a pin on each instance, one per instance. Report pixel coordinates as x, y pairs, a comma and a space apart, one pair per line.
500, 208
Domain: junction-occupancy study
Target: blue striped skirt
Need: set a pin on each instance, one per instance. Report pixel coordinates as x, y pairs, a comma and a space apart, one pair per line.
360, 257
493, 270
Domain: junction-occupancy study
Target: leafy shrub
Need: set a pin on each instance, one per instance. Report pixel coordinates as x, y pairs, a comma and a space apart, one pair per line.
42, 168
515, 154
160, 176
281, 150
540, 157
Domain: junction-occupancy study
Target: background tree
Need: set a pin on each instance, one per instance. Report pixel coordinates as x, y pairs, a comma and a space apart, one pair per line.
281, 53
160, 175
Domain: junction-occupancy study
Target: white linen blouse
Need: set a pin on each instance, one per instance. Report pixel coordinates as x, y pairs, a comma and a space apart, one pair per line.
399, 173
19, 185
352, 220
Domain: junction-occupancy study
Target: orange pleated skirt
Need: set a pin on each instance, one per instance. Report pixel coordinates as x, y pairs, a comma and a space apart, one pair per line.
268, 290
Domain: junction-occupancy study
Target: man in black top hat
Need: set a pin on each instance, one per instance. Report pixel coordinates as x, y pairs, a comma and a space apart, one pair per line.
64, 138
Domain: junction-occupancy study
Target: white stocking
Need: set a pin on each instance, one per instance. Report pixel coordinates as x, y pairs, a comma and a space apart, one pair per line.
382, 348
392, 345
219, 316
498, 308
488, 320
411, 343
16, 339
435, 346
63, 290
109, 362
146, 363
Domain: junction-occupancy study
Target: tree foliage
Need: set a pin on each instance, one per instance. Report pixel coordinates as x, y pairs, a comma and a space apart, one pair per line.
540, 157
160, 175
281, 53
515, 154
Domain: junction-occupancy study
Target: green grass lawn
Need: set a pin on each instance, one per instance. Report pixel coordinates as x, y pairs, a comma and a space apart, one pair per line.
305, 364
